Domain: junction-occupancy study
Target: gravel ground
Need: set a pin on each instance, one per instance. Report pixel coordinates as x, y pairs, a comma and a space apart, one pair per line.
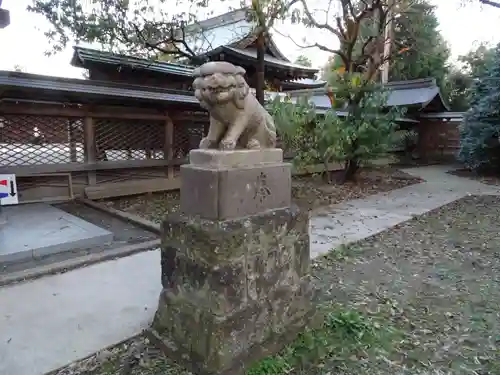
420, 298
308, 192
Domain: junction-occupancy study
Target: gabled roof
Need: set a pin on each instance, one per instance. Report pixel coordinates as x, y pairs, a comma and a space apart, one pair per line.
251, 38
419, 92
220, 24
415, 92
224, 29
82, 57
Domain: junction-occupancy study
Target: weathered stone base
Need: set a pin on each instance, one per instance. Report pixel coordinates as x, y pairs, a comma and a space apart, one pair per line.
273, 344
234, 290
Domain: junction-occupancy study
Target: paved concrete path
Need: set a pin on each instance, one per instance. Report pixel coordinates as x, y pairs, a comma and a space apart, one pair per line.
52, 321
361, 218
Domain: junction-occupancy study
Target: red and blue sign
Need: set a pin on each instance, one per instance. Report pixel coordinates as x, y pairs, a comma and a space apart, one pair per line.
8, 188
4, 183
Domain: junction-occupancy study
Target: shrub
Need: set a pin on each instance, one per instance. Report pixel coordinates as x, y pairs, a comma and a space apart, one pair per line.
361, 133
480, 131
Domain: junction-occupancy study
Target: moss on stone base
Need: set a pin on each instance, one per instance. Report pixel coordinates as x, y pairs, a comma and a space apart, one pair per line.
231, 285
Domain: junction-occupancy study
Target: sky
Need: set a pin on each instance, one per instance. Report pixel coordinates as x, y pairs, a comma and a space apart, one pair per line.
23, 43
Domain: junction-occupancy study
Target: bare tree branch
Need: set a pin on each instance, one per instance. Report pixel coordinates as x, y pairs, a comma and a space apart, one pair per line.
317, 45
313, 22
359, 53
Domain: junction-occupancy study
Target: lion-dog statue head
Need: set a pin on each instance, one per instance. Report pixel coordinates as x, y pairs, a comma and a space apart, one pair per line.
220, 83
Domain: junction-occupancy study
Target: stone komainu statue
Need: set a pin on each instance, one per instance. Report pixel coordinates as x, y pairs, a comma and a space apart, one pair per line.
237, 120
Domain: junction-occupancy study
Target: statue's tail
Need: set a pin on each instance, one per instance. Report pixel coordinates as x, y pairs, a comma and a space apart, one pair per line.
271, 130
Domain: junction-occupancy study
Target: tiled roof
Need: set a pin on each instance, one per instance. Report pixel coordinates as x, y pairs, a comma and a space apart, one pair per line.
304, 83
270, 60
50, 86
414, 92
83, 56
401, 93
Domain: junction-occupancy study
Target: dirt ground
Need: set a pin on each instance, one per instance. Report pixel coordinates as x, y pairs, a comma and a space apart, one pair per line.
433, 284
489, 180
420, 298
308, 192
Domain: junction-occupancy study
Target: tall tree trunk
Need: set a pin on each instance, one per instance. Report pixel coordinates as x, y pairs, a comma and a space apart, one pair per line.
388, 35
260, 68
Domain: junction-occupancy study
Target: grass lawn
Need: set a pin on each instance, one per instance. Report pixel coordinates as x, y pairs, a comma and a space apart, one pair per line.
421, 298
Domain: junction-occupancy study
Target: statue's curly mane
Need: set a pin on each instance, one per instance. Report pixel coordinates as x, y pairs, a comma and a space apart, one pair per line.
220, 88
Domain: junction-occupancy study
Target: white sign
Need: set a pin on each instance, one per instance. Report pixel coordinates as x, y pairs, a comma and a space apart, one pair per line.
8, 189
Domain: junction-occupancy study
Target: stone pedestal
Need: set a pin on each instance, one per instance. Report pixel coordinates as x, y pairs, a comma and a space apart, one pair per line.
225, 185
235, 273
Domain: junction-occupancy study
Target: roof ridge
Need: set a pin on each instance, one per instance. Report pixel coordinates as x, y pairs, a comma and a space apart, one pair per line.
79, 49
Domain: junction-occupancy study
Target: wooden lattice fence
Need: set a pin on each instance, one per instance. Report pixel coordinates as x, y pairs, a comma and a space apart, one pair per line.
59, 153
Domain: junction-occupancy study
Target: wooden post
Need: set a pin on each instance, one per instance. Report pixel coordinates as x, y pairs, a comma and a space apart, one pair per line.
90, 148
168, 151
72, 141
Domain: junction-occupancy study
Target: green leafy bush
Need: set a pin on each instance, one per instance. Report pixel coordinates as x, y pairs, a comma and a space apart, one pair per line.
365, 130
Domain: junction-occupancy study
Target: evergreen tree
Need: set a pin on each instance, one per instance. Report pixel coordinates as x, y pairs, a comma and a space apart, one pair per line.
477, 60
424, 52
459, 80
480, 132
457, 89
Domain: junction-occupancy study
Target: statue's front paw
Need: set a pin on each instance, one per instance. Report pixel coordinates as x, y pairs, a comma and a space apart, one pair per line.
253, 144
205, 143
227, 145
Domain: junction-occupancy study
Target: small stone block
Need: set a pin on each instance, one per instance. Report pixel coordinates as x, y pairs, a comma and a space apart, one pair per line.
225, 193
235, 158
